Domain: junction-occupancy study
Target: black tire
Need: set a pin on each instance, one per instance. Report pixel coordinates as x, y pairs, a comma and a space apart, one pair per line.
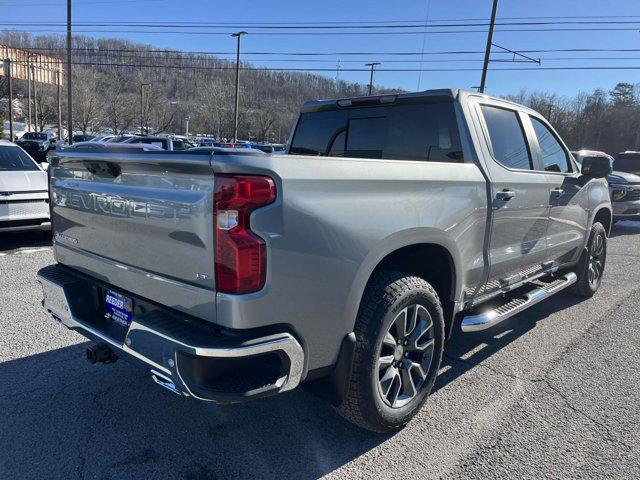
593, 259
386, 297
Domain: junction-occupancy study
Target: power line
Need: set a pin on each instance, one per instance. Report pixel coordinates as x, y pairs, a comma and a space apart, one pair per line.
317, 26
307, 34
198, 67
90, 50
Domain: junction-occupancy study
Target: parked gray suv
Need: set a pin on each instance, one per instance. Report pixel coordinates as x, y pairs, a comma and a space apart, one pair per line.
624, 187
392, 222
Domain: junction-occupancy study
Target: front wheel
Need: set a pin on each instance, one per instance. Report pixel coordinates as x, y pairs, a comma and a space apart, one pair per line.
399, 341
591, 265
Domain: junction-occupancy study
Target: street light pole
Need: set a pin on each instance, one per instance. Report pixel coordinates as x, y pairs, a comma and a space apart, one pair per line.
372, 65
487, 53
28, 92
235, 118
35, 96
142, 85
59, 99
69, 87
8, 66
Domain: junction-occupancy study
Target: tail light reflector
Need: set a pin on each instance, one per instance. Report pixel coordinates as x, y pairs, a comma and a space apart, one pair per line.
240, 255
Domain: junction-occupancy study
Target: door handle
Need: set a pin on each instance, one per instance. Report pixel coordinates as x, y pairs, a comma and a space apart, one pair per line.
558, 191
505, 195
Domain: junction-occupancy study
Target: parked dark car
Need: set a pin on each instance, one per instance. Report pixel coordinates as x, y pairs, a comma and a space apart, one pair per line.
83, 137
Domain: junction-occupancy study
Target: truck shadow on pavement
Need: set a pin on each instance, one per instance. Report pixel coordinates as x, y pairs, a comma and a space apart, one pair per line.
466, 351
10, 241
625, 228
64, 418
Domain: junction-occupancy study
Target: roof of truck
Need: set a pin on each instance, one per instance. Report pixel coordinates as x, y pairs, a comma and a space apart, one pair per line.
449, 94
439, 95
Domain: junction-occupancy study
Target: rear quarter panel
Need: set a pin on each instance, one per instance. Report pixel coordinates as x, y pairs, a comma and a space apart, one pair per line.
334, 220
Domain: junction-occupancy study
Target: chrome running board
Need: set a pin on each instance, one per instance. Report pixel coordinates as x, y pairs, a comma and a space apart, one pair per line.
493, 316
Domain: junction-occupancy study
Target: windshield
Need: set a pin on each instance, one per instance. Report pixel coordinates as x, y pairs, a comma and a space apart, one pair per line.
629, 163
14, 159
35, 136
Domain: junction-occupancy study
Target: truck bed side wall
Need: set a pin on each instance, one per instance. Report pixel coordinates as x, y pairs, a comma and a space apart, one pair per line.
334, 221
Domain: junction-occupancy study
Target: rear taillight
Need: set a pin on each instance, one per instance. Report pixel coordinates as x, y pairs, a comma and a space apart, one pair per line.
240, 255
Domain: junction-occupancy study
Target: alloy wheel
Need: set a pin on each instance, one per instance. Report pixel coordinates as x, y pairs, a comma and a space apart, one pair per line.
596, 260
405, 356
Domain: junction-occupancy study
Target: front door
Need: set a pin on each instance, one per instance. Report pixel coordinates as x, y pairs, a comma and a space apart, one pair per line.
520, 199
568, 198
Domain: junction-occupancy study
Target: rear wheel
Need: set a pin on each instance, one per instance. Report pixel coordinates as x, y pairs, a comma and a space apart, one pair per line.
591, 265
399, 340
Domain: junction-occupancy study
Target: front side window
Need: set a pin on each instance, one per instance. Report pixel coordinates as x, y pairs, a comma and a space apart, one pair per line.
507, 138
15, 159
553, 155
426, 132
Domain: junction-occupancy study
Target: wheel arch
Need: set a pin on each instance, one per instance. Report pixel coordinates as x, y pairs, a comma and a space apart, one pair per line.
434, 257
604, 215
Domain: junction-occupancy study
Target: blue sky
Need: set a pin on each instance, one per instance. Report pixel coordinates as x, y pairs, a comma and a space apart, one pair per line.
242, 12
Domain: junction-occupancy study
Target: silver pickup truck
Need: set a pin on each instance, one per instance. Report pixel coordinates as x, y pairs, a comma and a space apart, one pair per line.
392, 222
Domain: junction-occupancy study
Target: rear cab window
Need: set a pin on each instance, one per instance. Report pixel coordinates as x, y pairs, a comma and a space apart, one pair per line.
423, 131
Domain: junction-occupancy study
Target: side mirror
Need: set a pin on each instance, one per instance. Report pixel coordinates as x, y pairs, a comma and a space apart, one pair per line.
596, 167
45, 166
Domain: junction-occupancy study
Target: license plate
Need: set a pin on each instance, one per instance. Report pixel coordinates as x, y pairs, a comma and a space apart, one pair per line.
118, 308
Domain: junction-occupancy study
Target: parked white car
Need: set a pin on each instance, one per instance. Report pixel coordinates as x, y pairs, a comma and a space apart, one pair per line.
24, 196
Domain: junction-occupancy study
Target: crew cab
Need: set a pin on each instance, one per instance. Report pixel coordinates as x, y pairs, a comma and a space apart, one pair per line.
391, 223
37, 144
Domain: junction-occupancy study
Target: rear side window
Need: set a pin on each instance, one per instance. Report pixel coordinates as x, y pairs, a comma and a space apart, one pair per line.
14, 159
553, 155
426, 132
508, 142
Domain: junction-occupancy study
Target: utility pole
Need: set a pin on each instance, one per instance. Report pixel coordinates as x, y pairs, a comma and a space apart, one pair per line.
7, 65
372, 65
235, 118
142, 85
59, 95
69, 87
28, 92
487, 53
35, 96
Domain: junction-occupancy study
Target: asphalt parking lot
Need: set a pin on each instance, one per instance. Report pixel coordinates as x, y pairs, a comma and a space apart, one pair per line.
554, 393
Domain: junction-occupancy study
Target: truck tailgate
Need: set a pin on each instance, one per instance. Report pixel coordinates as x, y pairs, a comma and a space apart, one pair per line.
141, 221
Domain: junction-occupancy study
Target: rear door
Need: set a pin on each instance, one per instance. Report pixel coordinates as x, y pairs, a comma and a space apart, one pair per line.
568, 196
520, 197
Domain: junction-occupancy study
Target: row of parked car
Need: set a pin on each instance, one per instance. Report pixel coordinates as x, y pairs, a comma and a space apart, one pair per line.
39, 144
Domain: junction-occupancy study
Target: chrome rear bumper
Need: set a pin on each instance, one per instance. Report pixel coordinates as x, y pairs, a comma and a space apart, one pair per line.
185, 357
